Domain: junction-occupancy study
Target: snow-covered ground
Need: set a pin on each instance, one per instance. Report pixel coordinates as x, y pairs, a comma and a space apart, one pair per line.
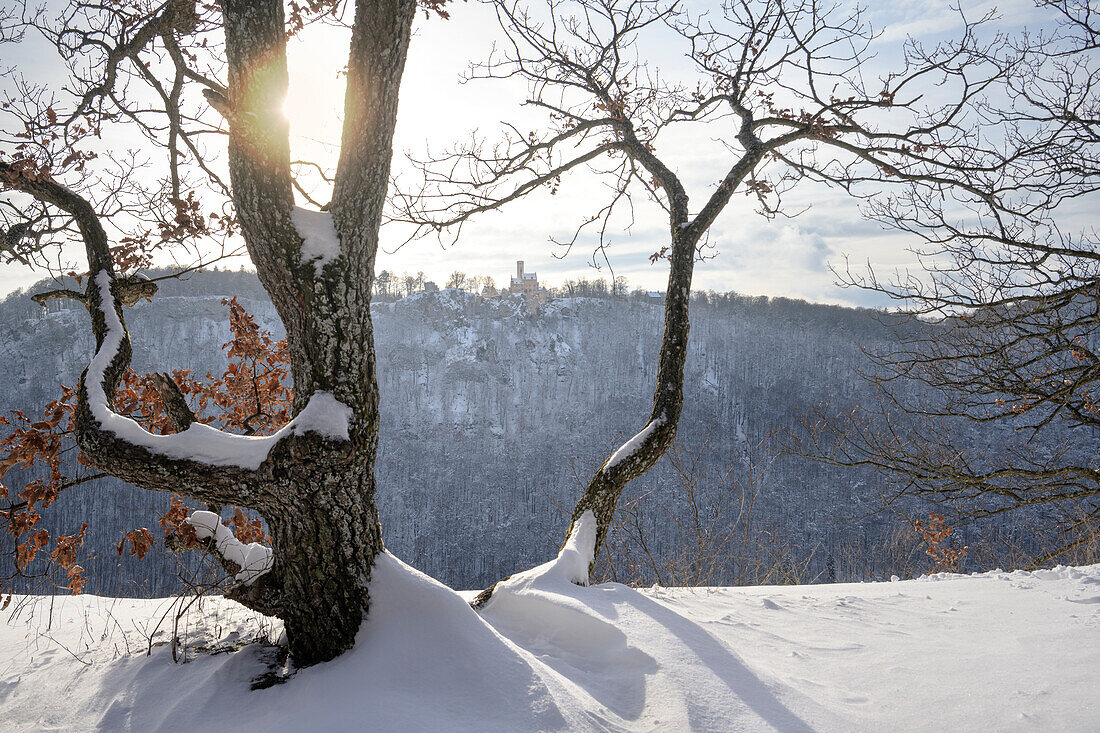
998, 651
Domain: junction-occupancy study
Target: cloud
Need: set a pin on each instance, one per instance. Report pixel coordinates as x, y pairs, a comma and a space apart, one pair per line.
932, 19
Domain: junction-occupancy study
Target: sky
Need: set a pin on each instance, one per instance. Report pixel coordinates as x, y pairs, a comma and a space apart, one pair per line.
751, 255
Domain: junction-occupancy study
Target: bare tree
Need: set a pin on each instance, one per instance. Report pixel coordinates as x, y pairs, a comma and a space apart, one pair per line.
1002, 329
620, 287
312, 482
408, 285
456, 280
383, 284
788, 88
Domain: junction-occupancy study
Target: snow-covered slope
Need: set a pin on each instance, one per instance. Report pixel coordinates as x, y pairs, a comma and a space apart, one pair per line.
998, 651
495, 418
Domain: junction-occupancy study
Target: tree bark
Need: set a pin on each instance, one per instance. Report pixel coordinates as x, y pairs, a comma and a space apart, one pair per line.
325, 539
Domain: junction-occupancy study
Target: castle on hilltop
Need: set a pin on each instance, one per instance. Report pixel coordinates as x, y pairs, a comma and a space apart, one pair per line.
522, 283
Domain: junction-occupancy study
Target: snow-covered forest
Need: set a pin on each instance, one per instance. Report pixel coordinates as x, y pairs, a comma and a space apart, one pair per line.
492, 418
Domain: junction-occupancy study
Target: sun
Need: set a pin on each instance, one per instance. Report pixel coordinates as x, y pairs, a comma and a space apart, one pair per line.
314, 103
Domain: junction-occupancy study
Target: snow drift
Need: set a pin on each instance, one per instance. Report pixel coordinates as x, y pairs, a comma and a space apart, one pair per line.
997, 651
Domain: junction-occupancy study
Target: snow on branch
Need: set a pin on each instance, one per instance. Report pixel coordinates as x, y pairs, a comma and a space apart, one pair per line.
630, 447
324, 415
577, 554
253, 559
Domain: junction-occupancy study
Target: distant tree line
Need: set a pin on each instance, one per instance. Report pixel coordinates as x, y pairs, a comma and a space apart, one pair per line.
390, 286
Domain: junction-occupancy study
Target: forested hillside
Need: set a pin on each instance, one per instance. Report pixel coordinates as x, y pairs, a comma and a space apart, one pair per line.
493, 418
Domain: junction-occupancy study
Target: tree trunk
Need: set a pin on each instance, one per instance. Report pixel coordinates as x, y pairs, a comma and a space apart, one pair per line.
324, 541
320, 504
640, 453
